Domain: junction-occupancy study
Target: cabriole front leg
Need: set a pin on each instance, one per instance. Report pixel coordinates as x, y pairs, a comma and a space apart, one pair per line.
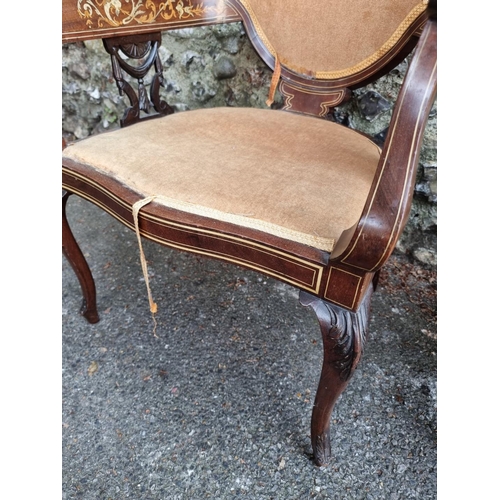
75, 257
343, 335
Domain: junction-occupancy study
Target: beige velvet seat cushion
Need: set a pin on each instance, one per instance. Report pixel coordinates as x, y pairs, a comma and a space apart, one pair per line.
298, 177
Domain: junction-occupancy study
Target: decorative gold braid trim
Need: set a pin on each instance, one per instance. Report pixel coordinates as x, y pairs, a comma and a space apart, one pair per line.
333, 75
274, 81
241, 220
416, 11
153, 307
262, 36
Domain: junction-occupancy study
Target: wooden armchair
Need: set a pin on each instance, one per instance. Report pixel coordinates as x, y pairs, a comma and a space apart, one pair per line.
284, 192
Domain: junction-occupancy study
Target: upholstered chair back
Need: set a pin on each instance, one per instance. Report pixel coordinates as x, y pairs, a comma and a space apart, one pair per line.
353, 34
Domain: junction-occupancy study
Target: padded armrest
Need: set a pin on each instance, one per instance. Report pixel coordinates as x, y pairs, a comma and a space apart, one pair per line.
369, 244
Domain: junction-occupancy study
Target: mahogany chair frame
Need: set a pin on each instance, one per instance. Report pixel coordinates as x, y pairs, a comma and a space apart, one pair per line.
336, 285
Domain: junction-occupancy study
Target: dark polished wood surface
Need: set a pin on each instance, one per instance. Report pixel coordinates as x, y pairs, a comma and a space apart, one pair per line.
389, 202
144, 49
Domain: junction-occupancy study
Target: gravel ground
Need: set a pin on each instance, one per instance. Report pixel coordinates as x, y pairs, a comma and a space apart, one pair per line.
218, 404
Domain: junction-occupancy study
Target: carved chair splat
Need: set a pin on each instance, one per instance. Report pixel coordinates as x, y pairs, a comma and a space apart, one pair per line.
342, 202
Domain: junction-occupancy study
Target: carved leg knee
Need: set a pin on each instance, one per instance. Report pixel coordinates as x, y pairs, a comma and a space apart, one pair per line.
343, 335
77, 261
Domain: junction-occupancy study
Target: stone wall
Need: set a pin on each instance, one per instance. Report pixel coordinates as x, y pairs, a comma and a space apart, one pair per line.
217, 66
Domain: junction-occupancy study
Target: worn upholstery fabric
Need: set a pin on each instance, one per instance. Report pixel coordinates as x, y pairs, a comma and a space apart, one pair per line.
352, 34
302, 178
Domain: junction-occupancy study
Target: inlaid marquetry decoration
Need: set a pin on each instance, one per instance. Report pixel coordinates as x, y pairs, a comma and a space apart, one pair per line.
115, 13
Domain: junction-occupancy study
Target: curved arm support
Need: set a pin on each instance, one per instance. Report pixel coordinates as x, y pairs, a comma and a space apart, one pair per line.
389, 202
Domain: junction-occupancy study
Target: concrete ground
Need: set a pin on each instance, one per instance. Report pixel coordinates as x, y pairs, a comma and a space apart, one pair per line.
218, 405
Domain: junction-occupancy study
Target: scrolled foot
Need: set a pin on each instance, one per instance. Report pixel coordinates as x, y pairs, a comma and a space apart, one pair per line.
322, 450
90, 314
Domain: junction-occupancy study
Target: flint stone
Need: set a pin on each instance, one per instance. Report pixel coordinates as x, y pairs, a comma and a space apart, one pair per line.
372, 104
224, 68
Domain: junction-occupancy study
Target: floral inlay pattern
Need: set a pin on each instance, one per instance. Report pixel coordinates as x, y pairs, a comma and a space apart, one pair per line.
99, 13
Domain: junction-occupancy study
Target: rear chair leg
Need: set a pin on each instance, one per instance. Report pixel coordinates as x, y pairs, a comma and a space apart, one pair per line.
343, 335
75, 257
